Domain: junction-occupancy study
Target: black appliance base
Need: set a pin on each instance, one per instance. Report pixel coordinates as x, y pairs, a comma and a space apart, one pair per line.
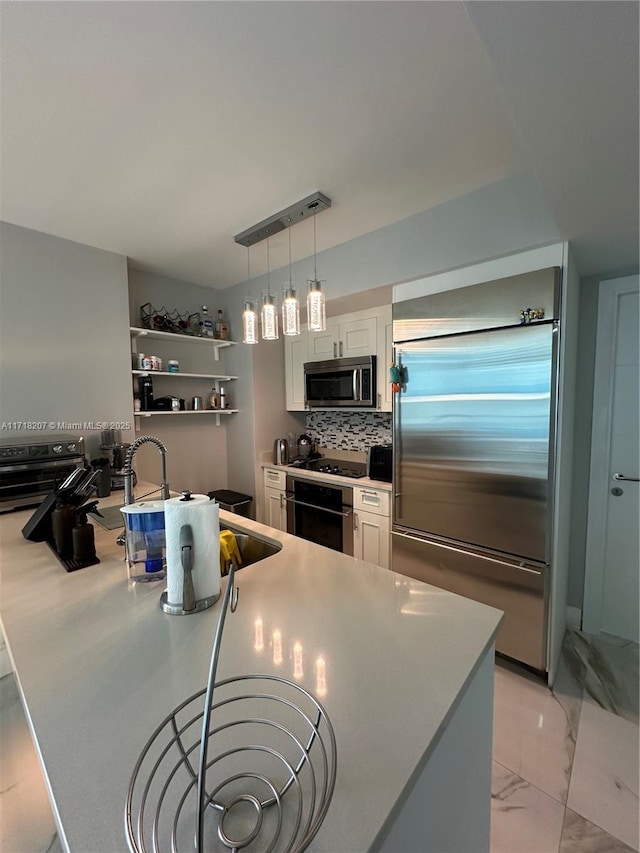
71, 565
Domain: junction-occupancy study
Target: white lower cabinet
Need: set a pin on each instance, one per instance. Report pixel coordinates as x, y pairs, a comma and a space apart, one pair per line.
371, 538
371, 526
275, 505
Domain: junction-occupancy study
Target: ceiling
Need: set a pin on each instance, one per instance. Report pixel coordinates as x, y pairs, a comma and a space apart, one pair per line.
159, 130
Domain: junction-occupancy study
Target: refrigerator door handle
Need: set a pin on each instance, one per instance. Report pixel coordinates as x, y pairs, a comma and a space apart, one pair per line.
521, 566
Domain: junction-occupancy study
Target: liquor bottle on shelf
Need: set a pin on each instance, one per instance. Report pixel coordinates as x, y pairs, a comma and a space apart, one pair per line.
222, 327
206, 327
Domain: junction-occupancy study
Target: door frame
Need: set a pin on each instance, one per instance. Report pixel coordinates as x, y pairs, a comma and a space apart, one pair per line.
609, 292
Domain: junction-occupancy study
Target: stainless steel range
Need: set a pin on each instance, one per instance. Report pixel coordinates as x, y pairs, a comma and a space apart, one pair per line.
322, 512
33, 466
339, 467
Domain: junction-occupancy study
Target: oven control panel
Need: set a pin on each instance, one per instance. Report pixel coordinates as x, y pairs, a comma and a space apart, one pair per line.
17, 450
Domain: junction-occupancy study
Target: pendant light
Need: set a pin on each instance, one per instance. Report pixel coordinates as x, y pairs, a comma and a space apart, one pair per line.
269, 313
316, 315
249, 315
290, 305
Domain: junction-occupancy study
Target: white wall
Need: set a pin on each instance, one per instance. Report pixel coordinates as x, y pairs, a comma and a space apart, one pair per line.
64, 339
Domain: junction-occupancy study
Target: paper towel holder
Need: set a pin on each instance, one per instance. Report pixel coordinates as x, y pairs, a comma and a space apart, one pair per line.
201, 603
176, 610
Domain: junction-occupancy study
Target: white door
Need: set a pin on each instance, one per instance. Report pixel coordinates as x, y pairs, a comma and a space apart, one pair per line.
612, 559
296, 353
275, 509
324, 345
371, 540
358, 337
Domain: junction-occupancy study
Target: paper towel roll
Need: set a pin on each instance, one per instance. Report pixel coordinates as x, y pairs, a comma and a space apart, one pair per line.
202, 514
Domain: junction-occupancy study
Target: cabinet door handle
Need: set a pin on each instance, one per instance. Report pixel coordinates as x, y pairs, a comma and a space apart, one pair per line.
281, 500
340, 346
355, 520
335, 349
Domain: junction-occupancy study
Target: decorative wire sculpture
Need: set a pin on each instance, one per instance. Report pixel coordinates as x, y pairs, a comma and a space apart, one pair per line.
268, 785
164, 320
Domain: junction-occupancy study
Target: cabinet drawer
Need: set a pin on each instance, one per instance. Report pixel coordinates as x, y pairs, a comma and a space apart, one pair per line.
275, 479
371, 500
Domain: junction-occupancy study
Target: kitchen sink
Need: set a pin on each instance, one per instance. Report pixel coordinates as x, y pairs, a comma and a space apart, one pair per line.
252, 548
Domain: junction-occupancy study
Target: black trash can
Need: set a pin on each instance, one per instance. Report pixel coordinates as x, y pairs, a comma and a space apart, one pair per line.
233, 501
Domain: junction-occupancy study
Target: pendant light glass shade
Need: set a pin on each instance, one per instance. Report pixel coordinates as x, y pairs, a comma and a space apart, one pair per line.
249, 323
269, 318
290, 305
249, 314
316, 315
290, 312
269, 313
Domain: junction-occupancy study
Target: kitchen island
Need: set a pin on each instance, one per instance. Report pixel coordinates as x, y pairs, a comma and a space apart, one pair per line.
404, 670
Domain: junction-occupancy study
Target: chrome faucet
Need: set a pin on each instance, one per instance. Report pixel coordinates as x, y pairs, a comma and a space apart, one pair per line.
128, 475
128, 467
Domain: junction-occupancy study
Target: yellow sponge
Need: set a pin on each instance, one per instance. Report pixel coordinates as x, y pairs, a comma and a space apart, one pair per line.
229, 552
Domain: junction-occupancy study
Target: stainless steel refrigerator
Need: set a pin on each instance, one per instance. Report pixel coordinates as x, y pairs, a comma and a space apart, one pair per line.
475, 450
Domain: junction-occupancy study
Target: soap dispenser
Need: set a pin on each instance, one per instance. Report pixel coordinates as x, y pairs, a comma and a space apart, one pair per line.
84, 548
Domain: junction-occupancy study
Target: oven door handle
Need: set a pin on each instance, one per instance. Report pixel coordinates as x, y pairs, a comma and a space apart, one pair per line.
39, 486
320, 508
40, 466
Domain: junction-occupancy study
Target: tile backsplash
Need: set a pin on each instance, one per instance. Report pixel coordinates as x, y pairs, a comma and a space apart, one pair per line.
349, 430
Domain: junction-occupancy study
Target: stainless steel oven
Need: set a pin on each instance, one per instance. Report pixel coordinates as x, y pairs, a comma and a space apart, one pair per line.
32, 467
320, 513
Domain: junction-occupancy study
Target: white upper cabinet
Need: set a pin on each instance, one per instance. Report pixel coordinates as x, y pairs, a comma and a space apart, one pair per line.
385, 356
296, 353
345, 337
361, 333
324, 345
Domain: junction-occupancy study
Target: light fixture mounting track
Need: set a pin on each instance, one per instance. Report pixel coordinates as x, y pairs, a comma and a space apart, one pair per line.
304, 209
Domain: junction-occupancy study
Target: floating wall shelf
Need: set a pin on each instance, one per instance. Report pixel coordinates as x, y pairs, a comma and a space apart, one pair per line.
216, 412
218, 376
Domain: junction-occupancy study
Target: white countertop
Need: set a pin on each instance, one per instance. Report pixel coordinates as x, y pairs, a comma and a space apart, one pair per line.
99, 665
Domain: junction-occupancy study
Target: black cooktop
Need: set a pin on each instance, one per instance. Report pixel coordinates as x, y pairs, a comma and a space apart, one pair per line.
339, 467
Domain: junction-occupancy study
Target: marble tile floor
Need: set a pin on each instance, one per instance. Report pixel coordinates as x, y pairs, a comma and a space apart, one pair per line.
565, 769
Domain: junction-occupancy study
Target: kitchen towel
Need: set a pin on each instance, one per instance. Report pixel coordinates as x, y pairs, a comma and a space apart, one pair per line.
203, 515
229, 552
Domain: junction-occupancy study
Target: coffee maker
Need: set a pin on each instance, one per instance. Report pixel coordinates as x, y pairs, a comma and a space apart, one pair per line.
112, 448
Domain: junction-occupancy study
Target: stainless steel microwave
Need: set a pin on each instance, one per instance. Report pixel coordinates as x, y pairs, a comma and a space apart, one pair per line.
348, 382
